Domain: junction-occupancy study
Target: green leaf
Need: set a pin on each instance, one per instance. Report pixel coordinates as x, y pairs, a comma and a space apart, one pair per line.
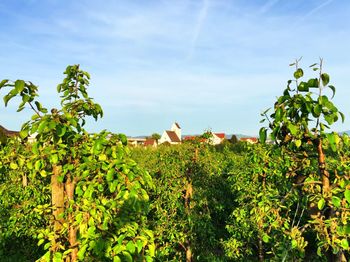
263, 113
13, 165
97, 147
336, 201
38, 105
23, 134
116, 259
3, 82
333, 89
113, 186
35, 117
42, 126
266, 238
54, 159
313, 83
57, 257
297, 143
293, 129
303, 87
151, 249
325, 79
102, 157
19, 85
86, 74
342, 116
127, 256
329, 118
41, 241
262, 135
278, 114
6, 99
347, 229
345, 244
139, 245
317, 109
130, 246
321, 203
298, 73
81, 252
61, 130
37, 165
110, 175
319, 251
47, 256
123, 139
332, 141
323, 100
347, 195
47, 246
43, 173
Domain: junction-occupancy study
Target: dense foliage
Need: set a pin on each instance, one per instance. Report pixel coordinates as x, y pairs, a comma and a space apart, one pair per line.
77, 195
73, 196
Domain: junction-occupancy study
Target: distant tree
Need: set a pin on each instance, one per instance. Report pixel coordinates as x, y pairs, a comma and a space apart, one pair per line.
156, 136
208, 134
233, 139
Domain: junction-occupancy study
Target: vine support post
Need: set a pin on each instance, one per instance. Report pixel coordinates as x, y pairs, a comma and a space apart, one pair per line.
339, 257
24, 180
72, 232
261, 249
57, 198
322, 167
188, 253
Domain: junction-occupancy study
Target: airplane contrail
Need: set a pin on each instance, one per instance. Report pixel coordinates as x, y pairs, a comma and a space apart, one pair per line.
314, 10
203, 12
266, 7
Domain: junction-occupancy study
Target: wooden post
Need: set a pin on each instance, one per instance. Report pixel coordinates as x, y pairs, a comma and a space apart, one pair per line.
72, 232
188, 253
24, 180
322, 167
261, 249
57, 199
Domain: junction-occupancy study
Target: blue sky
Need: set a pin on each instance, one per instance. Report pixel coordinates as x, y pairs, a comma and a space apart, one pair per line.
206, 64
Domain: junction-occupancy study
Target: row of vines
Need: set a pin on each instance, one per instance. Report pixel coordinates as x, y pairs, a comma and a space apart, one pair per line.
73, 196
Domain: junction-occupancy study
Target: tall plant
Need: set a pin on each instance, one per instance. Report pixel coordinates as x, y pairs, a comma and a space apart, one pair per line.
98, 200
299, 124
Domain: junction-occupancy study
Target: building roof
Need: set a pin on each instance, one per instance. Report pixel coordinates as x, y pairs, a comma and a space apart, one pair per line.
253, 139
177, 125
190, 137
150, 142
137, 139
8, 132
220, 135
173, 136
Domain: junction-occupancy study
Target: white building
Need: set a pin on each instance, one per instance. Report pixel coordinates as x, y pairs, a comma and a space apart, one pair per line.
172, 136
216, 138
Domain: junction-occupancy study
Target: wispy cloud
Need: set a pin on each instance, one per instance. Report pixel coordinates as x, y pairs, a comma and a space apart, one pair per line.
237, 55
266, 7
313, 11
202, 14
